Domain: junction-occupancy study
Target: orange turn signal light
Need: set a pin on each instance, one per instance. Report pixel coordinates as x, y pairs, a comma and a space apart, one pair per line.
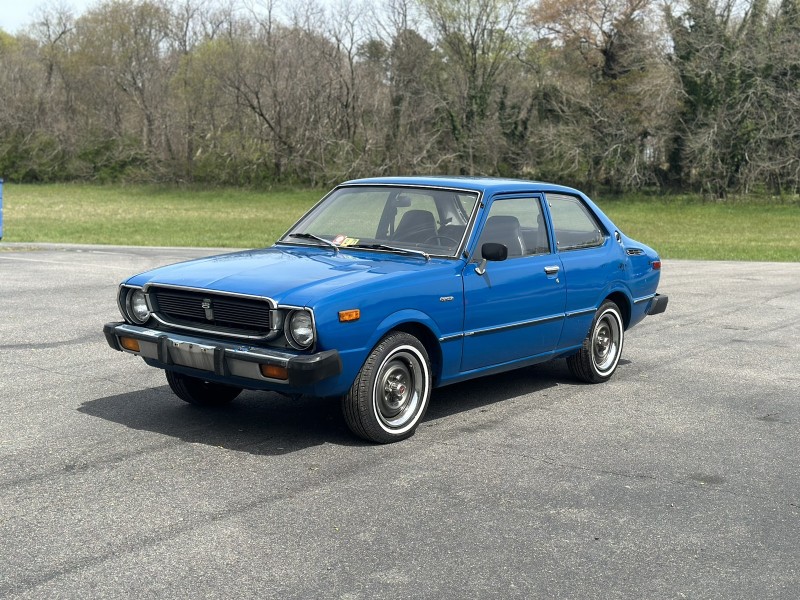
129, 344
354, 314
274, 372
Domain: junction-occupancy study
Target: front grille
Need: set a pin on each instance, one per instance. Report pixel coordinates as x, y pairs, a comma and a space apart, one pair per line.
214, 312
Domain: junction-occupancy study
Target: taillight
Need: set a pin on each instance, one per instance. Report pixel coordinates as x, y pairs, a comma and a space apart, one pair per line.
656, 265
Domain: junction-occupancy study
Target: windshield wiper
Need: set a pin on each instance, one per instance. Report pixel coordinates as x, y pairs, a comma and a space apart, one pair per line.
316, 238
391, 249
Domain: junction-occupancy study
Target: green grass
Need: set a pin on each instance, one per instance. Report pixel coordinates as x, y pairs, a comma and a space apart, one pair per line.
171, 216
150, 215
689, 228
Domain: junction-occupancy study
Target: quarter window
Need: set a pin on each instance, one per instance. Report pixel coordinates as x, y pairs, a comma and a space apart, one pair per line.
575, 226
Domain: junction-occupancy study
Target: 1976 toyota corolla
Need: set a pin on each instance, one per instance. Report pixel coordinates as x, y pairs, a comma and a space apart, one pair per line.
390, 287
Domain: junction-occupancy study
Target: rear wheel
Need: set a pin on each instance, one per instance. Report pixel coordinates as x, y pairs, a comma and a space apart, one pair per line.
599, 356
390, 395
201, 392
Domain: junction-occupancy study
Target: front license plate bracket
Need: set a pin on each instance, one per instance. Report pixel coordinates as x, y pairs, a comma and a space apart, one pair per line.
188, 354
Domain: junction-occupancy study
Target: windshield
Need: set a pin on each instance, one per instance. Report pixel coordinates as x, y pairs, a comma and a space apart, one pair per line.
388, 218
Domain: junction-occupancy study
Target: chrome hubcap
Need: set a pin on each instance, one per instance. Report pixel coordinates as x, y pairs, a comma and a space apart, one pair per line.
395, 391
400, 389
606, 342
602, 342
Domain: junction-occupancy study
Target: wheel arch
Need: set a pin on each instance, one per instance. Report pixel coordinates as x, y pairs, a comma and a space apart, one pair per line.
428, 339
422, 327
624, 303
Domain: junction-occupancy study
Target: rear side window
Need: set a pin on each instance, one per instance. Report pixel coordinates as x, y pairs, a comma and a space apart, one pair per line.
576, 227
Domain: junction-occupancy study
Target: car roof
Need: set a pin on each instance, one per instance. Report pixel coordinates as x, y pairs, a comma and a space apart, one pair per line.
487, 185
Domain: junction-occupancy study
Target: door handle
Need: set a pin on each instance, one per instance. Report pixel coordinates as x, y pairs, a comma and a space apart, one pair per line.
552, 270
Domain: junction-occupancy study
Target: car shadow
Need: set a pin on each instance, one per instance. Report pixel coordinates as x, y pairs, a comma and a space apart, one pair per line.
265, 423
261, 423
492, 390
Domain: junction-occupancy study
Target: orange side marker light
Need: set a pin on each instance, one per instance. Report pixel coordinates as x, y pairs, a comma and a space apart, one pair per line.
346, 316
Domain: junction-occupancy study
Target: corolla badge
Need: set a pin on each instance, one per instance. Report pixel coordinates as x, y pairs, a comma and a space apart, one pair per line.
207, 307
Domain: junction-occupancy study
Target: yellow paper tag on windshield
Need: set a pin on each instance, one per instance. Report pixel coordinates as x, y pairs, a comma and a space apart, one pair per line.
349, 242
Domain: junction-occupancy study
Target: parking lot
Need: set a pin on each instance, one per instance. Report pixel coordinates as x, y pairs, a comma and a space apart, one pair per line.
679, 478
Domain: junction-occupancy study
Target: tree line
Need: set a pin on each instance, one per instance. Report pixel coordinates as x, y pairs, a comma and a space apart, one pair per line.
700, 95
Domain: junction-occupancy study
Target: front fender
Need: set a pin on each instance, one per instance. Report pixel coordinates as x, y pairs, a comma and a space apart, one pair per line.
403, 317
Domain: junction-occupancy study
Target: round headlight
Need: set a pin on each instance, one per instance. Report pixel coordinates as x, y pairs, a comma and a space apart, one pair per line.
137, 306
300, 330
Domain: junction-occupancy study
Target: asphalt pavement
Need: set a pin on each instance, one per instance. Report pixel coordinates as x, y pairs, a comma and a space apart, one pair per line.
679, 478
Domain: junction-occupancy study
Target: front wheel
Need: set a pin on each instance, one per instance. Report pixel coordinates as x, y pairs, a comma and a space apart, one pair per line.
200, 392
390, 395
599, 356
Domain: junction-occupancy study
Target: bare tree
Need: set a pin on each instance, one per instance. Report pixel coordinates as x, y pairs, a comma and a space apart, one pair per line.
613, 89
477, 40
613, 93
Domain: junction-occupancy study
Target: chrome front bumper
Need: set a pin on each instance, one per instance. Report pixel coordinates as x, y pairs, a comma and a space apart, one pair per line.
223, 359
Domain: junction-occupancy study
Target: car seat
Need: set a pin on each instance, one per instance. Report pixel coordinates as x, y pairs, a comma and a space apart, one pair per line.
415, 226
504, 229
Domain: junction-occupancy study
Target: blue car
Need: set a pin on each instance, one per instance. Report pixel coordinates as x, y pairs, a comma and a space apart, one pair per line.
391, 287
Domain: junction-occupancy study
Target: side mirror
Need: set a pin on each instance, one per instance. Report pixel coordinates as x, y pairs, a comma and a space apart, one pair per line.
493, 252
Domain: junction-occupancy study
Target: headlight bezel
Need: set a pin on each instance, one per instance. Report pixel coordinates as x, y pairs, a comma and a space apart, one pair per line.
126, 305
293, 322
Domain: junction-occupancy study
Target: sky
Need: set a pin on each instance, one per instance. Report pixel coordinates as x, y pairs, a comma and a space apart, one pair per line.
17, 14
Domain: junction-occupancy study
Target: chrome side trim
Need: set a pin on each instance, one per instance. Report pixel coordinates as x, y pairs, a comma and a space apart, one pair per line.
516, 325
578, 313
643, 299
451, 338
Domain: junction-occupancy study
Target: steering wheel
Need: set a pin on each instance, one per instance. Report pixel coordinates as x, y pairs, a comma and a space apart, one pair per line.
439, 238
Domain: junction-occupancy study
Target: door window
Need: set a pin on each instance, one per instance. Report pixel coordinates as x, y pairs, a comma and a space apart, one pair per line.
518, 224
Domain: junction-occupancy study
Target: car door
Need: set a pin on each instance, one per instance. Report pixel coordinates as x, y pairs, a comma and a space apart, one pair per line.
513, 311
590, 259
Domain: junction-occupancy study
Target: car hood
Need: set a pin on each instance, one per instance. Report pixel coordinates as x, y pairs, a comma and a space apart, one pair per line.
297, 276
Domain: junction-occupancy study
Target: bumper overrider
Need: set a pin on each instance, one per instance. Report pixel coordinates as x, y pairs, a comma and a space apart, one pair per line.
223, 360
658, 304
